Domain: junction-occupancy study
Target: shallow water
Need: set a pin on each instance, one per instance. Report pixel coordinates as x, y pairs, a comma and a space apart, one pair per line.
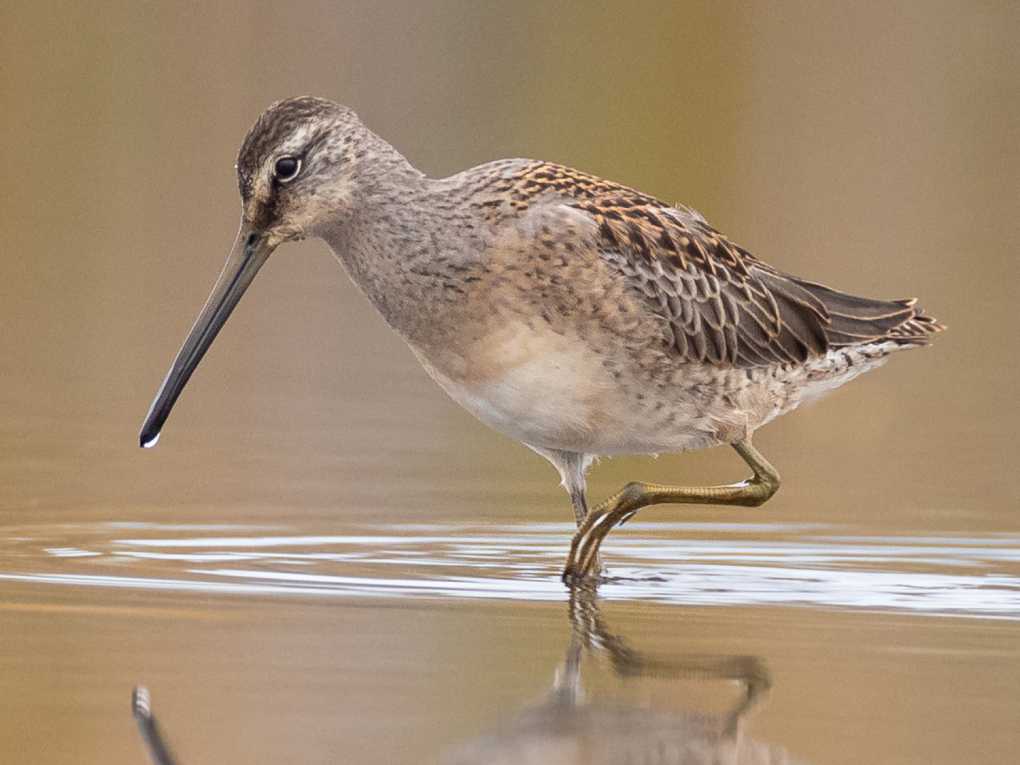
681, 563
458, 643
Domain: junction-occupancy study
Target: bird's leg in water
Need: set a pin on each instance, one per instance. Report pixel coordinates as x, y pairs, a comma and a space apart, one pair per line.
579, 500
621, 506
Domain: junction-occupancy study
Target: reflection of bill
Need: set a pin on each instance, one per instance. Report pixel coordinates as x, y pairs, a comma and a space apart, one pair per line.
566, 728
141, 706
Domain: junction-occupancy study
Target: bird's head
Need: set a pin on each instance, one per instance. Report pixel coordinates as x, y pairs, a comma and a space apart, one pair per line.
298, 167
297, 173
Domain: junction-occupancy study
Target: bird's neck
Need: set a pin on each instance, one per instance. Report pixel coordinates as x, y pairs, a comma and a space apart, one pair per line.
388, 239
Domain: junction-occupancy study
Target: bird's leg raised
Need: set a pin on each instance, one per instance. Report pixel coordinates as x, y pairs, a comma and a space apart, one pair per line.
620, 507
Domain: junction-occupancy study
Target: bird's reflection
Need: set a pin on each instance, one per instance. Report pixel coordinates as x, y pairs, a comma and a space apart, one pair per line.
567, 727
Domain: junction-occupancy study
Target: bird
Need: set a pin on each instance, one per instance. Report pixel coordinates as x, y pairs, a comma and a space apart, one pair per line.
578, 316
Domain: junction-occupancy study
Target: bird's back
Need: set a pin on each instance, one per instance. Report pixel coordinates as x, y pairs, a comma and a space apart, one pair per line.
723, 306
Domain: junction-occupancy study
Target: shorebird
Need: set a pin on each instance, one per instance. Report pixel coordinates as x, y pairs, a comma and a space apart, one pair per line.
576, 315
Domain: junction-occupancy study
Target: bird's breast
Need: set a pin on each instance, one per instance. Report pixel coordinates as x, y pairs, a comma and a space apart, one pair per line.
534, 385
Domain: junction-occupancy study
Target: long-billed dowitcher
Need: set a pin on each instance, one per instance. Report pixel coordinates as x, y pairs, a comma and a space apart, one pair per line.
575, 315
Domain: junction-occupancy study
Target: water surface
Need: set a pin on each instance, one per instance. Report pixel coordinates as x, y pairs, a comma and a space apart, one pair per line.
458, 643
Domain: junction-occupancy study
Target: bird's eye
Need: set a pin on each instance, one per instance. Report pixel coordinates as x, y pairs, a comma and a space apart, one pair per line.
287, 168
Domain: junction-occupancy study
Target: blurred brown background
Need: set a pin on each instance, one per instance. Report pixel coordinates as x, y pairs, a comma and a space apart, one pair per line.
872, 146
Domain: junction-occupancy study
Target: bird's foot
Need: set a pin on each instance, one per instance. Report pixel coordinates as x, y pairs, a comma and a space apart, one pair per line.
583, 560
594, 576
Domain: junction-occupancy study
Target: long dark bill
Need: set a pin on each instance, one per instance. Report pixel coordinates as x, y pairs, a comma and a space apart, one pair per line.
250, 251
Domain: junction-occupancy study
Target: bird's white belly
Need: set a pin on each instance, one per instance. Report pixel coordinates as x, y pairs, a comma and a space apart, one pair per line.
549, 391
538, 403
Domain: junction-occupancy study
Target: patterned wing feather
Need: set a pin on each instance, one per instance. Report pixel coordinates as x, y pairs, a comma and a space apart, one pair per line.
723, 305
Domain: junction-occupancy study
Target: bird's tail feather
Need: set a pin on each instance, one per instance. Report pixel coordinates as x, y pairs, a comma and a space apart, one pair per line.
854, 320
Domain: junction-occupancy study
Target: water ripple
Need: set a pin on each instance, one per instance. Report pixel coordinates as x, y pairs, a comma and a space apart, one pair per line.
689, 564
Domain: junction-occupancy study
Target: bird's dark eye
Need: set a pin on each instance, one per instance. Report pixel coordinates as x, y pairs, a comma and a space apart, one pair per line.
287, 168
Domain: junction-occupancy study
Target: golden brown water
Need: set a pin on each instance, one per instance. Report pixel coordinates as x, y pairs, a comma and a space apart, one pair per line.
326, 561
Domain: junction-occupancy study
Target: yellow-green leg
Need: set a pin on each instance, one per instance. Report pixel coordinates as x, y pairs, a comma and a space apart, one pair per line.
621, 506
